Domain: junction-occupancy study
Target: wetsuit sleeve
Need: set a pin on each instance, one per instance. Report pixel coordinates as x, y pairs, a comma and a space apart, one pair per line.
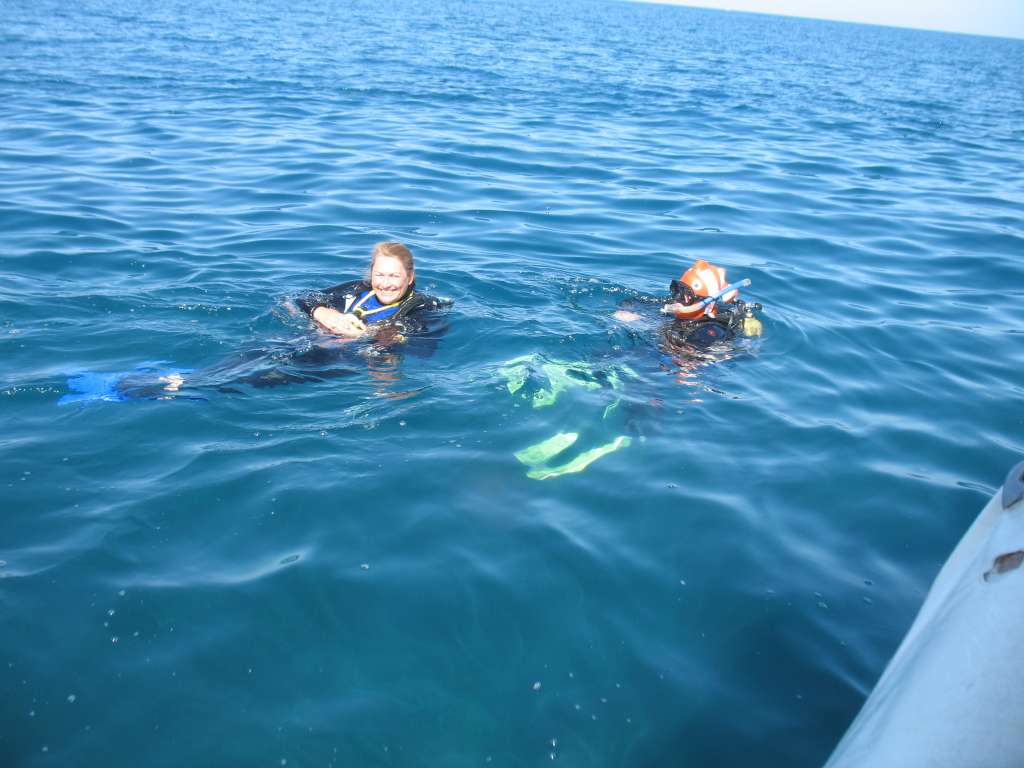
422, 313
330, 297
423, 324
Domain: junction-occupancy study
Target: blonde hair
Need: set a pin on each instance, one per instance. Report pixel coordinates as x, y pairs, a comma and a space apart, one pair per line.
396, 251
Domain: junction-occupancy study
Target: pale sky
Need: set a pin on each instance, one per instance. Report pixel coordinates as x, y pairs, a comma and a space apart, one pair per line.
1003, 18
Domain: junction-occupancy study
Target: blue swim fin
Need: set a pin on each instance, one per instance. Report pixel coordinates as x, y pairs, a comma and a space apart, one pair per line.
93, 386
142, 383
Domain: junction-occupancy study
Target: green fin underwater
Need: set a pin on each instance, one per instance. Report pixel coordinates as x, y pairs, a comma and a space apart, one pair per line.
555, 377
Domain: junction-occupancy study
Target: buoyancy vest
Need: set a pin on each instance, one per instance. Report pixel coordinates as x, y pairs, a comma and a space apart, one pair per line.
346, 296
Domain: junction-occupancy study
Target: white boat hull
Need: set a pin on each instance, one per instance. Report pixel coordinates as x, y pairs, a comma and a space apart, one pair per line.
953, 694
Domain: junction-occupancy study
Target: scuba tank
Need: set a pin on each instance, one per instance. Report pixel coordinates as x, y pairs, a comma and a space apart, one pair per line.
749, 324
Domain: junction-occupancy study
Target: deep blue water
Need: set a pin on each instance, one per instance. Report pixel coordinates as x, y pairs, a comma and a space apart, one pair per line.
358, 572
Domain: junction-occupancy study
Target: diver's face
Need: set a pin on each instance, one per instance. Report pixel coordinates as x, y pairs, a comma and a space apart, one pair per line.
389, 279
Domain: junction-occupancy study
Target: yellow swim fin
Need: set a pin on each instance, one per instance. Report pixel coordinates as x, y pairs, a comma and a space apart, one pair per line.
541, 452
581, 462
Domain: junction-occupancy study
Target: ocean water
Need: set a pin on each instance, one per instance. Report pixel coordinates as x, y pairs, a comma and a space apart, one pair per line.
358, 571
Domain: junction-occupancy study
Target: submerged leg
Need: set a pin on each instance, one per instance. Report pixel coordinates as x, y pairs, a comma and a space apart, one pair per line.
172, 382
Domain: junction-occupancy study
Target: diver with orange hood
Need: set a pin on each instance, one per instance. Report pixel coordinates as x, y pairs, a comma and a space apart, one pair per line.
705, 307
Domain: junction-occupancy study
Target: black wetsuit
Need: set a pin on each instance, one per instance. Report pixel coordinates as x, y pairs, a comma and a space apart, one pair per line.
682, 334
704, 331
416, 312
418, 319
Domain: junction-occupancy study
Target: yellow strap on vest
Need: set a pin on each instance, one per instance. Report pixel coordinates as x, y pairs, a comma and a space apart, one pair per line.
359, 312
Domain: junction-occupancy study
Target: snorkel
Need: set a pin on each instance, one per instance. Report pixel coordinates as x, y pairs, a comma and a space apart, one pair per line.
706, 306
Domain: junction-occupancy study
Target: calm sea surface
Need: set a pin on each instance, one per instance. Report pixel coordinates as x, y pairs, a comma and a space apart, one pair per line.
358, 571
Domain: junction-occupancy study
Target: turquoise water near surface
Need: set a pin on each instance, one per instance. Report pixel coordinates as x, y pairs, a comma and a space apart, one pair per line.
358, 571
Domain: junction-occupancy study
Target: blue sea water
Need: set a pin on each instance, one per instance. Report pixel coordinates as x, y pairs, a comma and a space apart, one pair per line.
358, 572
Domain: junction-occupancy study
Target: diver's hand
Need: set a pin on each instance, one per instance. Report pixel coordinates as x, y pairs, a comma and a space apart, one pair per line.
334, 321
626, 316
